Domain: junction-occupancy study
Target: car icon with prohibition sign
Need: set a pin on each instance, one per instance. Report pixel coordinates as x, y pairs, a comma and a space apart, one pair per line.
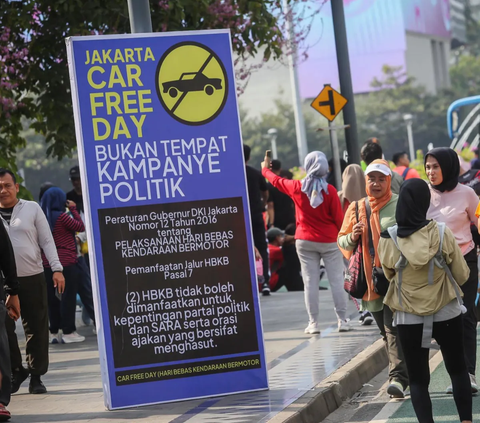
192, 81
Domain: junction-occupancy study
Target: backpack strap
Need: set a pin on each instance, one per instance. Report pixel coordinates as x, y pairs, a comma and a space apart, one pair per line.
442, 264
405, 172
371, 248
401, 263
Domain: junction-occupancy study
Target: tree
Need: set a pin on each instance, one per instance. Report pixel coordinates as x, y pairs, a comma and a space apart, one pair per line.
465, 76
34, 80
380, 113
38, 168
473, 32
254, 132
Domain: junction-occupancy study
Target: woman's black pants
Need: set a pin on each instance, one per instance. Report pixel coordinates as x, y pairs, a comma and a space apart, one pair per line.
449, 335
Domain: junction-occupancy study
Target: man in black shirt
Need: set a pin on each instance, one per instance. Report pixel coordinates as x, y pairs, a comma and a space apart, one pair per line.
12, 305
258, 195
75, 194
281, 209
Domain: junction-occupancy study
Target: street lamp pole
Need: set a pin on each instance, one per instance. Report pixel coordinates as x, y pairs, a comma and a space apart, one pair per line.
408, 121
343, 62
140, 18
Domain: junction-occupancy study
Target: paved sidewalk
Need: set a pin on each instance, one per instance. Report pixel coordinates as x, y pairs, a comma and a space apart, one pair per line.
296, 363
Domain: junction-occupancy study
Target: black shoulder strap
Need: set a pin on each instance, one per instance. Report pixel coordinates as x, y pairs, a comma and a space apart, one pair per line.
405, 173
370, 238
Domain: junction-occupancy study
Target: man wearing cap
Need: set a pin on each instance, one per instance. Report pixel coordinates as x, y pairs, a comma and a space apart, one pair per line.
75, 194
85, 285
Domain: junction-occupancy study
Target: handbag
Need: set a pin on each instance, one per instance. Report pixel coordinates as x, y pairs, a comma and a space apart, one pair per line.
355, 282
380, 282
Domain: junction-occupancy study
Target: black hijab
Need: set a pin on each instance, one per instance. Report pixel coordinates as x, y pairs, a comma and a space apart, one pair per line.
450, 165
412, 207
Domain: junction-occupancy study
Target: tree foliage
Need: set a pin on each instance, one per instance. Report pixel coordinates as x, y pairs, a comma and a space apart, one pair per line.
34, 80
254, 133
381, 113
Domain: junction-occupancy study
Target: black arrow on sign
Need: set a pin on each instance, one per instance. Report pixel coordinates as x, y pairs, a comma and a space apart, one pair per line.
329, 103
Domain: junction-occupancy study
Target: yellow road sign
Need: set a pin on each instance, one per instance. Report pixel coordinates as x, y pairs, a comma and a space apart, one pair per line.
191, 83
329, 103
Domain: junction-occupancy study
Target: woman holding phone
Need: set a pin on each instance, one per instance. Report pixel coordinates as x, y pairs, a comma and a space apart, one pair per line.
319, 218
64, 221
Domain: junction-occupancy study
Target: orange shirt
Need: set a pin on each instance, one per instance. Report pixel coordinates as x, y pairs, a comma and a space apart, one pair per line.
412, 173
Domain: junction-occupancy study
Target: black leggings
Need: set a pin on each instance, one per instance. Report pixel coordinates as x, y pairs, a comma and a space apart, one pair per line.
449, 335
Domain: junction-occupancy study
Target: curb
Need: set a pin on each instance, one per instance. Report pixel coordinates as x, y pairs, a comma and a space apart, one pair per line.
315, 405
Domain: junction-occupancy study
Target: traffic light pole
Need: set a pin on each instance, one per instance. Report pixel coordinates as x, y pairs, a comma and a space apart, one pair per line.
343, 61
140, 17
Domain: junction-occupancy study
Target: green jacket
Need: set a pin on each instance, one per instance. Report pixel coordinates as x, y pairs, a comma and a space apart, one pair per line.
418, 297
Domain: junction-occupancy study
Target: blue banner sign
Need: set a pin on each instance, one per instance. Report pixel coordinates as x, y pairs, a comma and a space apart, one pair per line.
167, 213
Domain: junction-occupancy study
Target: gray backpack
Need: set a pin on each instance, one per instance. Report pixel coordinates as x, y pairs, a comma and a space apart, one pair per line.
439, 261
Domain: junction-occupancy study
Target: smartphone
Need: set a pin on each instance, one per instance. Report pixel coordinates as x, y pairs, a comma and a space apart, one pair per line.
57, 294
268, 153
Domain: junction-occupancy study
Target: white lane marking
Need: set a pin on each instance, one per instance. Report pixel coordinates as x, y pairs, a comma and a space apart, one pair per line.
394, 404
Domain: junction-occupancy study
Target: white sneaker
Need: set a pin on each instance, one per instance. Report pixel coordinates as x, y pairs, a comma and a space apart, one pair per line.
395, 390
72, 337
473, 382
54, 338
344, 325
312, 329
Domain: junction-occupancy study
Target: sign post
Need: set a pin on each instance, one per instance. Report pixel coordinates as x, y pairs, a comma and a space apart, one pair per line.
167, 214
329, 103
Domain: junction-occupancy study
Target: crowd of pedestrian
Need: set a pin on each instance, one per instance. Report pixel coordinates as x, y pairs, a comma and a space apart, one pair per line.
43, 270
416, 243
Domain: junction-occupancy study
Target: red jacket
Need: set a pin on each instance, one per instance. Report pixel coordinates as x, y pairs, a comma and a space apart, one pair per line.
318, 225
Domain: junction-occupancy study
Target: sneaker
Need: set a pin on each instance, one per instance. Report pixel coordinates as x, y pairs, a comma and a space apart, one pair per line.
265, 289
344, 325
72, 337
366, 319
312, 329
4, 414
395, 390
473, 382
36, 385
55, 339
18, 377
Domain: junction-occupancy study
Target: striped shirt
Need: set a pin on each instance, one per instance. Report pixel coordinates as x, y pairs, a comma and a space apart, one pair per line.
64, 236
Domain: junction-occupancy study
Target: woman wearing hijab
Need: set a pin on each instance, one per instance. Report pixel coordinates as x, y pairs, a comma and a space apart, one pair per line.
455, 204
319, 218
382, 203
64, 224
353, 186
425, 301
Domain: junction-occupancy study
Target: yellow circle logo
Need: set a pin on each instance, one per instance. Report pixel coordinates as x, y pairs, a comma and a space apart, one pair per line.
191, 83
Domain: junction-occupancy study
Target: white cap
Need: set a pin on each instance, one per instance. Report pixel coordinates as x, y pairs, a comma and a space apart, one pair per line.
378, 167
